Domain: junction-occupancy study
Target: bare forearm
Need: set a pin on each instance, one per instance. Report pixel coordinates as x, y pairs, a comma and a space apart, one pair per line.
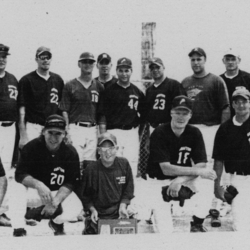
218, 168
3, 188
102, 128
66, 117
61, 195
30, 182
22, 126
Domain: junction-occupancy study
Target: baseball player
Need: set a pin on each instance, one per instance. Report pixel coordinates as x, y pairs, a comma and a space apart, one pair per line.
108, 185
48, 171
234, 77
122, 105
231, 151
160, 94
210, 98
8, 111
104, 66
178, 158
40, 94
80, 107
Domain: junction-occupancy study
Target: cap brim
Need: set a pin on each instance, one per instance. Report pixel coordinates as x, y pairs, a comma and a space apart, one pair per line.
155, 63
182, 107
81, 59
122, 65
5, 53
195, 52
242, 95
231, 54
55, 130
38, 54
99, 143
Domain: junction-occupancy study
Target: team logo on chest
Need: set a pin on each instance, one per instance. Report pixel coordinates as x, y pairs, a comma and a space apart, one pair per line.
121, 179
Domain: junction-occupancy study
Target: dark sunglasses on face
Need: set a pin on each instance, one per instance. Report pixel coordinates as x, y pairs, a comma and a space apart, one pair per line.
86, 61
44, 57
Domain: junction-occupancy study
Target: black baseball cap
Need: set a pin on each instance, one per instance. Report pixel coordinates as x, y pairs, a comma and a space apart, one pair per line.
124, 62
106, 137
103, 56
198, 51
156, 61
241, 91
4, 49
55, 123
86, 56
182, 102
42, 50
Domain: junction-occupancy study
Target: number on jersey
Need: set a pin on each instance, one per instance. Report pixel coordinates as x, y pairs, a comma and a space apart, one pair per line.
54, 96
184, 153
159, 104
13, 91
56, 179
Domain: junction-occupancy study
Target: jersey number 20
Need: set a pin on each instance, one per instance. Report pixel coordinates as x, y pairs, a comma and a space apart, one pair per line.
57, 179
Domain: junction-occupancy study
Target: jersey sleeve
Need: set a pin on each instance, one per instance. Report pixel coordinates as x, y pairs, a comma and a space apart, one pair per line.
64, 105
22, 91
2, 172
222, 94
101, 119
159, 151
199, 151
219, 144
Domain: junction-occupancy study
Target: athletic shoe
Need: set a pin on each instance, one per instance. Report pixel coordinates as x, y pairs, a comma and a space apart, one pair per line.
19, 232
215, 220
198, 228
4, 221
58, 229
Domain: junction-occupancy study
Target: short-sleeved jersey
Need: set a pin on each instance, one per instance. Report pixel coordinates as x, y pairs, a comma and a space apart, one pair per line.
105, 188
40, 97
8, 98
2, 172
122, 106
210, 97
165, 146
54, 170
241, 80
232, 145
159, 99
82, 104
108, 83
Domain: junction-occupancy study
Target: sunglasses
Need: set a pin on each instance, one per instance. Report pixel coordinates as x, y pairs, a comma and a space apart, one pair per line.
107, 149
86, 61
44, 57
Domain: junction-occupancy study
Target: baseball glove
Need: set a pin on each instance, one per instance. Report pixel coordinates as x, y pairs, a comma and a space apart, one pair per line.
184, 193
230, 193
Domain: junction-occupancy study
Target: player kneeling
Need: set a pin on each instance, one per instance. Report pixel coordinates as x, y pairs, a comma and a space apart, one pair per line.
108, 185
48, 171
177, 160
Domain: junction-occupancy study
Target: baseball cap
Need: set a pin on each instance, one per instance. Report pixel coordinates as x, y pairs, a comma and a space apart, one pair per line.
183, 102
232, 52
124, 62
55, 123
86, 56
156, 61
241, 91
42, 50
4, 49
199, 51
103, 56
106, 137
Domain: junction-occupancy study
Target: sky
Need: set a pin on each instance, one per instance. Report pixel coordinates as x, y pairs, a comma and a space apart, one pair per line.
114, 26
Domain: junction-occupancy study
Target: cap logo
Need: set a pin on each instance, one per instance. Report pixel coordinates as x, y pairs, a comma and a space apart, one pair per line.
182, 100
123, 60
104, 56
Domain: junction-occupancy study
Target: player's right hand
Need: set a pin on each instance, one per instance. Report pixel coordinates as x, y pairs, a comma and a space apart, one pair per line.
44, 192
206, 173
94, 216
219, 192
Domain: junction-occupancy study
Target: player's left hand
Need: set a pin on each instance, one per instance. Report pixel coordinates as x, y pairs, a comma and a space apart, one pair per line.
49, 209
173, 189
123, 212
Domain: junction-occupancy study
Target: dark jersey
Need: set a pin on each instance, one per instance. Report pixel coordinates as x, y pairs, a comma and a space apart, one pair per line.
81, 104
40, 97
232, 145
210, 97
8, 98
241, 80
122, 106
165, 146
108, 83
105, 188
2, 172
159, 100
60, 169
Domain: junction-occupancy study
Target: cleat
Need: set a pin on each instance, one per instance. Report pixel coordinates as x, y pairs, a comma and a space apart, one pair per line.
58, 229
19, 232
4, 221
198, 228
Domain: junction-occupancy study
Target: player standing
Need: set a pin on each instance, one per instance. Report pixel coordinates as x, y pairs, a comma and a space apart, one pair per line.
8, 111
210, 98
108, 185
177, 158
231, 151
122, 105
104, 66
48, 171
234, 77
40, 94
80, 107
